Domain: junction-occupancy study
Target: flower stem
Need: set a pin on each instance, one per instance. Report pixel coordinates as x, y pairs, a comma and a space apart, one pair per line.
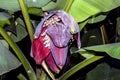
79, 67
20, 55
26, 18
104, 35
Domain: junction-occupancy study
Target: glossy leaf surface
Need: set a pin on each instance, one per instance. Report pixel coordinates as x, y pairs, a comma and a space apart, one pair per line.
111, 49
95, 19
60, 4
14, 5
8, 61
83, 9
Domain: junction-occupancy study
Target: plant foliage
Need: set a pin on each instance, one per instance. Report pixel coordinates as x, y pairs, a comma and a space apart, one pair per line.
19, 18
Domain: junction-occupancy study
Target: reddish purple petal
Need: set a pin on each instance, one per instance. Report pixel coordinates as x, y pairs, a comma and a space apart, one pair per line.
39, 51
77, 37
70, 26
59, 54
68, 21
59, 34
40, 26
51, 63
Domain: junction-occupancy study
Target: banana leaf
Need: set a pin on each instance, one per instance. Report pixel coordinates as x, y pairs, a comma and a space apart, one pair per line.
112, 49
83, 9
104, 72
4, 18
8, 61
13, 5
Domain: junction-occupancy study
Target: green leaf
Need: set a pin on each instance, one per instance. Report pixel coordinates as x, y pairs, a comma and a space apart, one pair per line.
19, 54
13, 5
114, 74
103, 72
87, 54
60, 4
96, 19
21, 33
50, 6
4, 43
111, 49
82, 52
79, 66
83, 9
35, 11
4, 18
8, 61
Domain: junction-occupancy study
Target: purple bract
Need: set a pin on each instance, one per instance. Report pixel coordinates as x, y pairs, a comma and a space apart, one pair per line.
60, 27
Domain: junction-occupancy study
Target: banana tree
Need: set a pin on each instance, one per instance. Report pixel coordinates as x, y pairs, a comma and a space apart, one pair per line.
20, 17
